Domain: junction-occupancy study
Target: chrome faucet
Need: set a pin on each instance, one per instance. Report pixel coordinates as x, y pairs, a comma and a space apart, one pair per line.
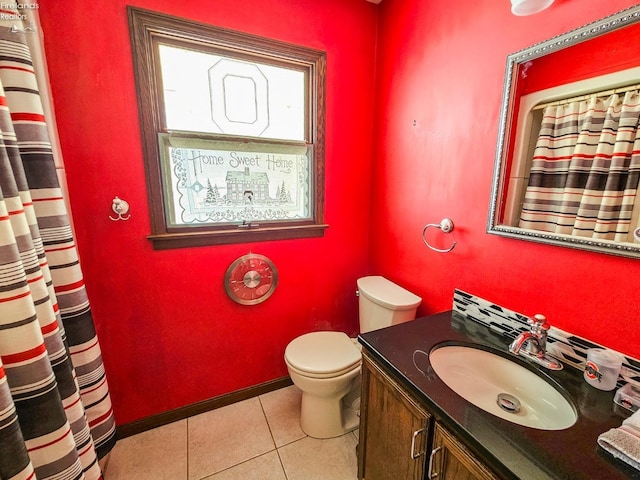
534, 342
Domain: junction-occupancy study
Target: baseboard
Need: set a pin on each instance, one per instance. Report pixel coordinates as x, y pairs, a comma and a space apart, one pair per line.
139, 426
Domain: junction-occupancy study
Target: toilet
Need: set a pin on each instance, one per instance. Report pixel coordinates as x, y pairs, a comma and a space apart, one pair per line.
325, 366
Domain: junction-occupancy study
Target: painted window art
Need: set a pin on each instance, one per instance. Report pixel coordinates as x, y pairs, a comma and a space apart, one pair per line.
239, 183
230, 96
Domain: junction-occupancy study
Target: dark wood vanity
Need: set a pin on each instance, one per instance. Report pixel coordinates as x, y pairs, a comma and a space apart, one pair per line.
397, 433
414, 427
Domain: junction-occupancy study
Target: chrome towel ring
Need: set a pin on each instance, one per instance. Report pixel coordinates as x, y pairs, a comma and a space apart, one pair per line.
446, 225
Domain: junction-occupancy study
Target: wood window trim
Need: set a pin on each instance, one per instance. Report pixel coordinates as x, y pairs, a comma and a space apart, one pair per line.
146, 29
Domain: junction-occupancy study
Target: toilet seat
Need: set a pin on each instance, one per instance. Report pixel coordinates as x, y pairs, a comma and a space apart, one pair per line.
322, 354
320, 376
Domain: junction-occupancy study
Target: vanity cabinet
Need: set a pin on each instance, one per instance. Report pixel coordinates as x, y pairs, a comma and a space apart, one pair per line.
400, 439
394, 429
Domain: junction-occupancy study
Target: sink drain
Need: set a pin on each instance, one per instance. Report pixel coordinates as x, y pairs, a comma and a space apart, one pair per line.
508, 403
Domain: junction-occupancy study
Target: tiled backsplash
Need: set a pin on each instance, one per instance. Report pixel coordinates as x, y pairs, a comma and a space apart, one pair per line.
569, 348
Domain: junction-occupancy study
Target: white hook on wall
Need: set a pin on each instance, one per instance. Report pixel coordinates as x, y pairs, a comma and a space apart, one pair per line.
121, 209
446, 225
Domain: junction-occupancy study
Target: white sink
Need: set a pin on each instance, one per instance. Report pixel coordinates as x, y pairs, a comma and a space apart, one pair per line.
486, 379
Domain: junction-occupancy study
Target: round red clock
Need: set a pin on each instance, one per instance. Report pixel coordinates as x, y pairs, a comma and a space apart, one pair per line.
251, 279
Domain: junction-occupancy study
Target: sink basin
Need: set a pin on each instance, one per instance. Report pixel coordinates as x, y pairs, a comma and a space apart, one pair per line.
502, 387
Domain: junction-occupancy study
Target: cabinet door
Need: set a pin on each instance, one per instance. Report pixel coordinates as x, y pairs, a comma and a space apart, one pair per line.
394, 429
450, 460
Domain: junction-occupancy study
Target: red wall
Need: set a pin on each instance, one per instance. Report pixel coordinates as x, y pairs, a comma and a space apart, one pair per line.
593, 58
410, 148
169, 334
440, 77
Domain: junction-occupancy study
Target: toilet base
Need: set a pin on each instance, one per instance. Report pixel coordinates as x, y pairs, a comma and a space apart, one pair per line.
328, 417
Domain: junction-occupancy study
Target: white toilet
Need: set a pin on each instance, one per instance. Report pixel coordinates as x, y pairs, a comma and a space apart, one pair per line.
326, 365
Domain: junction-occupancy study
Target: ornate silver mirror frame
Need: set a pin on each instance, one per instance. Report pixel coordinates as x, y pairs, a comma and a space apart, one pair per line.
616, 21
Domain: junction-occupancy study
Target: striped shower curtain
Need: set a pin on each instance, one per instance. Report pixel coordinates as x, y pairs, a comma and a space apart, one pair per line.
55, 411
585, 170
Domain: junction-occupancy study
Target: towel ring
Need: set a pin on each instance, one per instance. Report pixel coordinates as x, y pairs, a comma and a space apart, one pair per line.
446, 225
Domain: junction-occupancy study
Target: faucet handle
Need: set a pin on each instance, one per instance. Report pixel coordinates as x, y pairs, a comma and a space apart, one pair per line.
538, 323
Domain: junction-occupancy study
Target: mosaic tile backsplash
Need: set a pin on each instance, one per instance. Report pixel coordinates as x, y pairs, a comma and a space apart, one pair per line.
569, 348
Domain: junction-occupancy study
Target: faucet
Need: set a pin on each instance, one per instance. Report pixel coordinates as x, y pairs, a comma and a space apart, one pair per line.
534, 342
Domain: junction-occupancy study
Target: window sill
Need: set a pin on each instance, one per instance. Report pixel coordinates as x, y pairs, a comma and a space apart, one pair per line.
165, 241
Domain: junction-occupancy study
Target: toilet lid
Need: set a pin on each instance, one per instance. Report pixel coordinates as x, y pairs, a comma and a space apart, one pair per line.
322, 352
386, 293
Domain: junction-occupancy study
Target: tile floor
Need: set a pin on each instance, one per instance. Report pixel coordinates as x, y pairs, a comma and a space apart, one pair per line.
257, 439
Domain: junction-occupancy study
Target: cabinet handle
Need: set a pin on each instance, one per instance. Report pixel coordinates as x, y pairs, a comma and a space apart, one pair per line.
430, 473
415, 455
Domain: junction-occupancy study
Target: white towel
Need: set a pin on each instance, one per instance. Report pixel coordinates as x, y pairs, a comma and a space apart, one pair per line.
624, 442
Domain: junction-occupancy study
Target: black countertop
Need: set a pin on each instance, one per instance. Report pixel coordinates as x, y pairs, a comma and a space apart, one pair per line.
513, 451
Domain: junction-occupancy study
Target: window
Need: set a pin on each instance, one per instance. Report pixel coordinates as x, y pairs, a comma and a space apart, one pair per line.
232, 129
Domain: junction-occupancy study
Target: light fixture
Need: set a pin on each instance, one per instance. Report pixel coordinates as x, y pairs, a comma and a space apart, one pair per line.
528, 7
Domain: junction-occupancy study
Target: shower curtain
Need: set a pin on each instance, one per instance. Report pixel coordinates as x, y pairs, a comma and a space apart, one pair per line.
55, 411
586, 167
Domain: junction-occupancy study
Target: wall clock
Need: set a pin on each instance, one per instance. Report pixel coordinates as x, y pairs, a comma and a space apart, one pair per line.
251, 279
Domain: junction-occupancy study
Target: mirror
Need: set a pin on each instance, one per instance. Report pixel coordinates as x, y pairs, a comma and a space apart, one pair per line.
600, 59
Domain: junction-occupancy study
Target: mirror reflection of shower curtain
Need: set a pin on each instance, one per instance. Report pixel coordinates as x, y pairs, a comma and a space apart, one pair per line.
56, 418
585, 169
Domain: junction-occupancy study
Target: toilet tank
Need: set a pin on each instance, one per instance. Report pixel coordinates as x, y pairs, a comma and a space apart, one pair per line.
382, 303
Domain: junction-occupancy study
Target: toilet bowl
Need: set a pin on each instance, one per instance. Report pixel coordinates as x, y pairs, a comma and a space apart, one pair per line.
326, 365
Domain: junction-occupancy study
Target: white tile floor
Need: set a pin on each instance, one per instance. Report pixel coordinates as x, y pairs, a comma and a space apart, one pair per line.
257, 439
